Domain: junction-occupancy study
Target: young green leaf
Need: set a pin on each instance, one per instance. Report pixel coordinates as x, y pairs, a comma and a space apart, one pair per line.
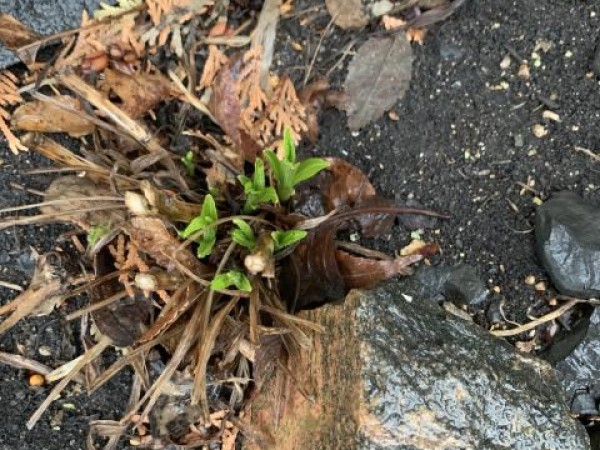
286, 172
231, 278
309, 168
268, 195
209, 208
243, 235
204, 225
259, 174
96, 233
289, 146
188, 163
286, 238
205, 245
255, 189
275, 164
197, 224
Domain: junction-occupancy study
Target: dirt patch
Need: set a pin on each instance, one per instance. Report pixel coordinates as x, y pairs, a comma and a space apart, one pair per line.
462, 144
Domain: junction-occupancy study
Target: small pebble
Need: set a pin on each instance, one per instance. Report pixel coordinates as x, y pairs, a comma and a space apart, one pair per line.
37, 380
524, 72
505, 63
539, 131
393, 115
496, 289
44, 350
551, 115
540, 286
537, 201
530, 280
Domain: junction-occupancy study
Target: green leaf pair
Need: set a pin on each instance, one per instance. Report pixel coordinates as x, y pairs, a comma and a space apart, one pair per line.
284, 239
287, 172
244, 235
204, 225
231, 278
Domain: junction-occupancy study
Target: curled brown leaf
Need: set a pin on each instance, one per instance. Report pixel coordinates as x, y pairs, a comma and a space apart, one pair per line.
360, 272
137, 93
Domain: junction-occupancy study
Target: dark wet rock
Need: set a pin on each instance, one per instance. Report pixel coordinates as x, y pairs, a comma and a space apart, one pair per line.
459, 284
579, 373
433, 381
567, 233
45, 17
568, 338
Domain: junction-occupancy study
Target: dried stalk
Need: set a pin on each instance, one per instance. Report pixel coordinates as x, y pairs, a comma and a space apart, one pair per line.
20, 362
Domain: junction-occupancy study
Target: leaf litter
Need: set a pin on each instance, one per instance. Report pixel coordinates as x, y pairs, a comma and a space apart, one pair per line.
205, 234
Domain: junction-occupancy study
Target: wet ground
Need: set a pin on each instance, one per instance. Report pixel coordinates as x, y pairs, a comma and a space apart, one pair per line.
462, 144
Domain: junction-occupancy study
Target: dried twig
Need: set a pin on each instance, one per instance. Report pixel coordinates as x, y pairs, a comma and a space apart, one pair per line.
540, 320
588, 152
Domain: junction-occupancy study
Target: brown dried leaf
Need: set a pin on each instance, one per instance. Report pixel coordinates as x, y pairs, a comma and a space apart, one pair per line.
224, 101
46, 117
345, 185
226, 107
359, 272
151, 236
310, 277
72, 194
14, 34
139, 93
378, 76
347, 13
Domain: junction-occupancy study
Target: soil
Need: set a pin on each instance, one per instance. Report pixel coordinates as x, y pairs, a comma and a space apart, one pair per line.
460, 146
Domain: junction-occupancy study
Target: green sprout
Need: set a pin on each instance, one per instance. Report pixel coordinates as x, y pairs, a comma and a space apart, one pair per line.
96, 233
244, 234
255, 188
287, 172
284, 239
189, 163
204, 224
231, 278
